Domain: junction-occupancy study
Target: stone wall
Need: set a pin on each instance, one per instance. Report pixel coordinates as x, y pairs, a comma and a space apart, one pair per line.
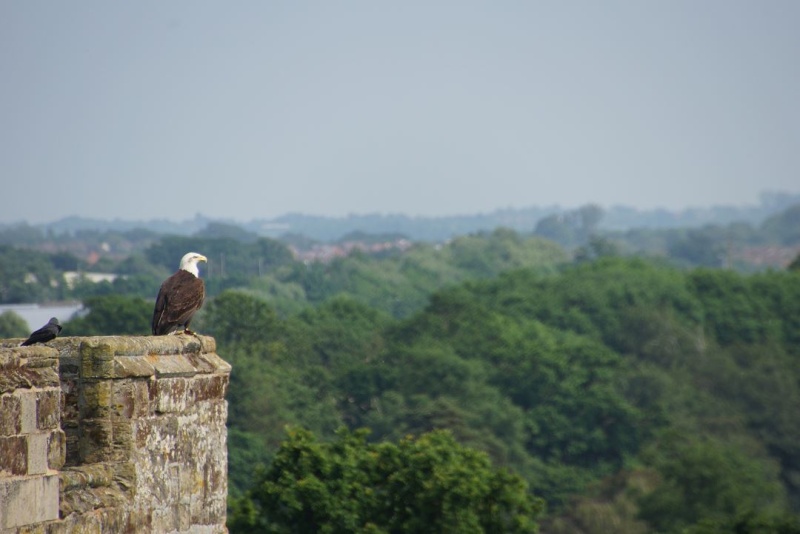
113, 434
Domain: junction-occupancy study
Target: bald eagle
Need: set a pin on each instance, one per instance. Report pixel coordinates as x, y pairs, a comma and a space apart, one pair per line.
44, 334
180, 296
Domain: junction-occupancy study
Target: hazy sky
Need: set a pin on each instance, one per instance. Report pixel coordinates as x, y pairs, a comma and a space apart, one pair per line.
243, 110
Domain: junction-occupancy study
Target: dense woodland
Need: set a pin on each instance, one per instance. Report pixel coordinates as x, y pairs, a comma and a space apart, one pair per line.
499, 382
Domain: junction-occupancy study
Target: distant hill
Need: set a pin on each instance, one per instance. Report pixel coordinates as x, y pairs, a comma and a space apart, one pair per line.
435, 229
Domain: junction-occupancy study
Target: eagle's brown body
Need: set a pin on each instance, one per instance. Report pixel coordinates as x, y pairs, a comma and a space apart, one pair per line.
180, 296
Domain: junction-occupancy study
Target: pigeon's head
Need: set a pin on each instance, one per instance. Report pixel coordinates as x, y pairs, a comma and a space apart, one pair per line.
189, 262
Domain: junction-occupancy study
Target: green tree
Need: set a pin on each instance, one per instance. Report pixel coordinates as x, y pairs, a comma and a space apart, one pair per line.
229, 231
227, 257
347, 333
237, 317
707, 480
784, 227
571, 228
749, 523
113, 315
26, 276
598, 247
425, 484
12, 325
698, 247
795, 265
735, 309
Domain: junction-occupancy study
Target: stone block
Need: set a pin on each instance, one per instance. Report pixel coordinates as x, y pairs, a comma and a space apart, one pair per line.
184, 517
47, 377
87, 476
144, 392
70, 389
165, 519
172, 365
68, 348
142, 430
125, 475
27, 367
208, 344
131, 398
201, 363
209, 387
172, 395
72, 435
13, 456
56, 449
28, 418
215, 474
69, 367
122, 399
219, 365
48, 408
95, 442
117, 519
38, 449
156, 438
95, 399
140, 521
40, 357
133, 367
216, 509
216, 413
97, 357
10, 415
38, 528
28, 500
123, 438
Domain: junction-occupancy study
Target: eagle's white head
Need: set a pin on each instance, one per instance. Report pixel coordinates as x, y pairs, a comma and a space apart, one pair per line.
189, 262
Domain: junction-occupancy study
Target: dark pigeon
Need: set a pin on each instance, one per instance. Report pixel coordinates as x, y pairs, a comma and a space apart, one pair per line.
44, 334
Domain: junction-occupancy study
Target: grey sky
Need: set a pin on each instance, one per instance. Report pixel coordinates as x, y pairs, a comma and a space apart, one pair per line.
244, 110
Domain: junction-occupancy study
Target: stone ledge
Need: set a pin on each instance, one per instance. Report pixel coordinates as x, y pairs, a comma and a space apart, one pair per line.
103, 357
139, 345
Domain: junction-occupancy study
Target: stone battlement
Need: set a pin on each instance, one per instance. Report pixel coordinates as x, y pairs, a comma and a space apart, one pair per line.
113, 434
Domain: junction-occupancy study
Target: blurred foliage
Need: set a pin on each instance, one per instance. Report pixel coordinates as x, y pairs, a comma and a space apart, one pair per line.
226, 256
707, 479
749, 523
26, 276
795, 265
115, 315
784, 227
571, 228
12, 325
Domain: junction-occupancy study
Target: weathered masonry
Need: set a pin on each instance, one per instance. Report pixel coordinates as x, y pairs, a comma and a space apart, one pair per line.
113, 434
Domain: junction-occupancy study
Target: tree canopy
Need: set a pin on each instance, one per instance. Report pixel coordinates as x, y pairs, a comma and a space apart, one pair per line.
425, 484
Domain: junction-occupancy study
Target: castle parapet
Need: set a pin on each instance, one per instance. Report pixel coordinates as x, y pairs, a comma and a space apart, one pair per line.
113, 434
